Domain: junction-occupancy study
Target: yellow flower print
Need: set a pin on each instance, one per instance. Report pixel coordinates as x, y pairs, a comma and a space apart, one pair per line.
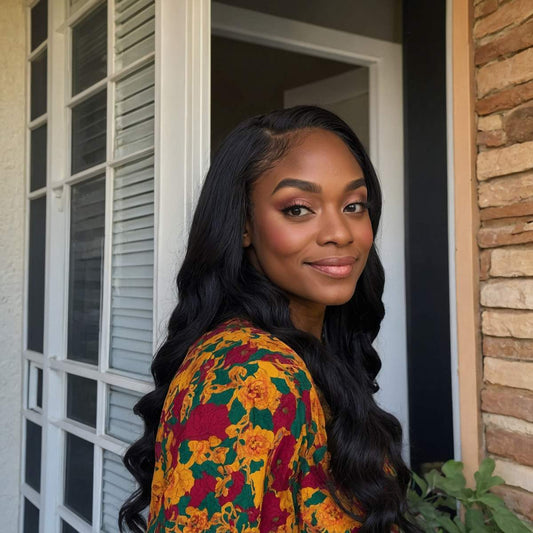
259, 391
196, 522
199, 449
181, 481
255, 443
332, 518
218, 455
237, 373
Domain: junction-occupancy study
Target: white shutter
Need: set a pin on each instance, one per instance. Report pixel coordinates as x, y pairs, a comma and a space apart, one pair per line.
133, 267
134, 125
122, 423
117, 486
135, 30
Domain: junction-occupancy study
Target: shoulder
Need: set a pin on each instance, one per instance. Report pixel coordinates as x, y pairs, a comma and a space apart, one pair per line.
239, 360
239, 343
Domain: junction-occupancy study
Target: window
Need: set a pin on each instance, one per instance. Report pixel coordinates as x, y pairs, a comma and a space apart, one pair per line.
89, 335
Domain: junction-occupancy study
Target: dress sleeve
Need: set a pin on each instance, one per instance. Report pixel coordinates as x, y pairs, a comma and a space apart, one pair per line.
229, 450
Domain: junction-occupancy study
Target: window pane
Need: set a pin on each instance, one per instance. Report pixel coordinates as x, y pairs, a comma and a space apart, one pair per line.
79, 476
117, 486
38, 86
67, 528
39, 23
86, 269
37, 245
31, 517
39, 399
89, 50
33, 456
135, 30
122, 422
38, 158
133, 268
81, 400
89, 132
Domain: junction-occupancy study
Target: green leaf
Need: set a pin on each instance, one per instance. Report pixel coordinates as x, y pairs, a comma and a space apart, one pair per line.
454, 470
474, 519
431, 478
484, 478
447, 523
420, 482
452, 486
454, 483
459, 524
491, 500
508, 522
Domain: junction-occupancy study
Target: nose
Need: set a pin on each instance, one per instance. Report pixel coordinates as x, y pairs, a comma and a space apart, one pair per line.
334, 228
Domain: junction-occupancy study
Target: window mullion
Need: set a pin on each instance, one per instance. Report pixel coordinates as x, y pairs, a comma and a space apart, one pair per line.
52, 448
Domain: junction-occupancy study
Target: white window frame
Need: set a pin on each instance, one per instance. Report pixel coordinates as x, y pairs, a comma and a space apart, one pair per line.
181, 150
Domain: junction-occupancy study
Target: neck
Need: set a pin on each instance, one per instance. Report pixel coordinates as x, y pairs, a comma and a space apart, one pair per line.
308, 318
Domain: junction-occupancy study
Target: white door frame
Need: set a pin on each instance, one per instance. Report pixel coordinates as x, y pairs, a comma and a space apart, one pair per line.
384, 60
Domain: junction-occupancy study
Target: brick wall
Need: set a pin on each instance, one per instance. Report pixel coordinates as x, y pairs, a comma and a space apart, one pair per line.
503, 40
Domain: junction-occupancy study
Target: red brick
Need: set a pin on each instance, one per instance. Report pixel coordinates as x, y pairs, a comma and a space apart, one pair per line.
518, 124
505, 99
507, 72
508, 14
508, 347
520, 501
484, 264
491, 138
514, 40
516, 446
507, 401
484, 8
514, 210
518, 232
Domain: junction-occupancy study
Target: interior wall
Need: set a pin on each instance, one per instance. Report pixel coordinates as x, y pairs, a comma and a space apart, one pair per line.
248, 79
379, 19
12, 186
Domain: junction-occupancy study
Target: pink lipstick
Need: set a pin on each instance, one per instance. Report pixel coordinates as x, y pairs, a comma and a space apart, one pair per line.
335, 267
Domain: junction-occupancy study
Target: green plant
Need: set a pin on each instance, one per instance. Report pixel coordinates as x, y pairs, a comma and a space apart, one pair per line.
434, 501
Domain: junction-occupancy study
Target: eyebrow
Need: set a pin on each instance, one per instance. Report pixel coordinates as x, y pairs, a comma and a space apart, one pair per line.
309, 186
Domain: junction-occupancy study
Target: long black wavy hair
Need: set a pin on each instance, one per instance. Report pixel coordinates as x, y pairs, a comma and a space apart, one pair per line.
216, 282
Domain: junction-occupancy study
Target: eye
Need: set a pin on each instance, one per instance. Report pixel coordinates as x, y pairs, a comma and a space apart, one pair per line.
296, 210
356, 207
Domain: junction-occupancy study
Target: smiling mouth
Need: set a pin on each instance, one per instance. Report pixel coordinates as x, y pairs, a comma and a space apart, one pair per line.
334, 267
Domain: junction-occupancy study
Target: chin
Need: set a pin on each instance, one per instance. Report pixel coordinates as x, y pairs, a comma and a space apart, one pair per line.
336, 299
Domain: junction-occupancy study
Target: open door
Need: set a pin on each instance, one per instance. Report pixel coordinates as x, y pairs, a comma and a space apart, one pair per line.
362, 82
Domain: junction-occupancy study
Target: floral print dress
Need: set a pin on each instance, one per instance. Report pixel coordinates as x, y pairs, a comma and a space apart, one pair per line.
241, 444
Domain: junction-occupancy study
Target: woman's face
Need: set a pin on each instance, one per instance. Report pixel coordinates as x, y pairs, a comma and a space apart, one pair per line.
310, 231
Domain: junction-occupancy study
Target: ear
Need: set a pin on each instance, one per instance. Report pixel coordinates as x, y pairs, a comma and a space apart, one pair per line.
247, 234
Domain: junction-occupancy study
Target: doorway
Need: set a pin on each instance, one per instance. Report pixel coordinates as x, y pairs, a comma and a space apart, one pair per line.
261, 62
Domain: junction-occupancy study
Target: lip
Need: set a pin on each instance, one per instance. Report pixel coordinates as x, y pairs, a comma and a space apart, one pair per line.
335, 267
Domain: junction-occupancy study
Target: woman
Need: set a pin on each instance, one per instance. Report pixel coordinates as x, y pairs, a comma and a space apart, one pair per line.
263, 417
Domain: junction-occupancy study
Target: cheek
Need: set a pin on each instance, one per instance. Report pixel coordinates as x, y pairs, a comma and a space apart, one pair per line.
279, 238
365, 235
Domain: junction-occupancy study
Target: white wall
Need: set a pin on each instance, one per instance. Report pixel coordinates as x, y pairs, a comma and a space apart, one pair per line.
12, 181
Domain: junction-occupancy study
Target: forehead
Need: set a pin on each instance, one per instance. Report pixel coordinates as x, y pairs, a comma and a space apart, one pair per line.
318, 155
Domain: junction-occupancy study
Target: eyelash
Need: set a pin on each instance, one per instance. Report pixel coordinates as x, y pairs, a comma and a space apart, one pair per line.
286, 210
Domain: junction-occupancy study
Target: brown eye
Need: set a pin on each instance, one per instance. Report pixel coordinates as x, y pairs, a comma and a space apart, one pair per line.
356, 207
296, 210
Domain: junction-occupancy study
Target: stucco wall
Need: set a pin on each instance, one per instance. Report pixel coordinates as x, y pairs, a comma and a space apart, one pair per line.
503, 39
12, 140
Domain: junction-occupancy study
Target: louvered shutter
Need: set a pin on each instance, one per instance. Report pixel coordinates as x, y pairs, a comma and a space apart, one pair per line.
131, 347
135, 30
117, 485
122, 423
133, 268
